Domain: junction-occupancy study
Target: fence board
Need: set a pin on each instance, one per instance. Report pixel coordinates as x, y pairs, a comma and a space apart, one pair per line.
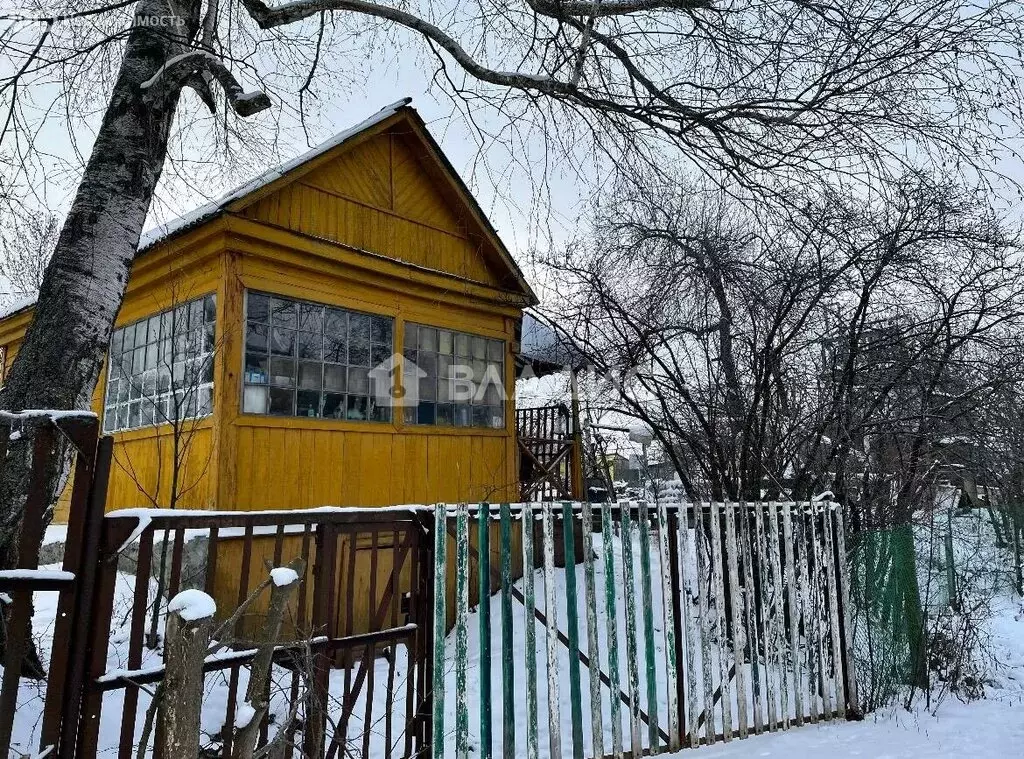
647, 598
461, 630
632, 665
719, 598
671, 666
593, 642
794, 610
736, 607
611, 618
483, 542
572, 623
508, 674
529, 605
554, 717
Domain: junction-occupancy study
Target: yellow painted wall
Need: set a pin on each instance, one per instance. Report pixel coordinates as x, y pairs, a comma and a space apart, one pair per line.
378, 227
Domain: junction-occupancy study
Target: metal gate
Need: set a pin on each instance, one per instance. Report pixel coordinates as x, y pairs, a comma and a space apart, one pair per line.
682, 626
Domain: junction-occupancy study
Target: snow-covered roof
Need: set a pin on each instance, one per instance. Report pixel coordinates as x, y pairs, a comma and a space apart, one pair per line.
541, 344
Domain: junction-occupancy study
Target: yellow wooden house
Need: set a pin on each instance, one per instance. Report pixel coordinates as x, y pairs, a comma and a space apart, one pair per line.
341, 330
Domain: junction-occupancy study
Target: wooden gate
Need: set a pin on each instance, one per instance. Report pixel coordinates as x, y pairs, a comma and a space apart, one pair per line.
549, 455
695, 624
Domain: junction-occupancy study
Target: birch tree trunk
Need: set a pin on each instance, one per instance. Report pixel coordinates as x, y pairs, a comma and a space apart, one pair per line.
61, 357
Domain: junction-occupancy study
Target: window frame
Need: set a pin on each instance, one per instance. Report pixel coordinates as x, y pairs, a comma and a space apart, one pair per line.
323, 362
456, 333
206, 358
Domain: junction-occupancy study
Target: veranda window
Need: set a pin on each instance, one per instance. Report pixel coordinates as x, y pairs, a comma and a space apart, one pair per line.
458, 378
160, 368
308, 359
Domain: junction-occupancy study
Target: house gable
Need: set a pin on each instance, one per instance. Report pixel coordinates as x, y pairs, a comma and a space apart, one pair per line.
390, 191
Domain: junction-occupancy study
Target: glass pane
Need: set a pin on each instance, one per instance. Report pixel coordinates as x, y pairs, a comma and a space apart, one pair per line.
135, 387
336, 322
109, 419
425, 413
445, 414
463, 415
116, 342
461, 344
358, 380
152, 353
138, 360
257, 307
480, 416
497, 416
141, 333
495, 350
445, 342
428, 339
195, 314
154, 329
181, 319
122, 416
254, 400
479, 347
334, 405
336, 349
135, 414
310, 376
335, 378
282, 401
479, 370
111, 396
359, 350
209, 338
127, 338
427, 362
428, 389
163, 383
410, 339
358, 408
148, 412
379, 413
410, 414
379, 354
492, 394
310, 345
444, 390
308, 403
149, 383
256, 368
123, 387
311, 317
256, 338
206, 368
210, 308
380, 330
282, 342
282, 371
282, 314
178, 374
444, 367
205, 401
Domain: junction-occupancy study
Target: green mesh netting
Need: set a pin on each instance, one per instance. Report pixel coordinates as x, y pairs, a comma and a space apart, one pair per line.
888, 621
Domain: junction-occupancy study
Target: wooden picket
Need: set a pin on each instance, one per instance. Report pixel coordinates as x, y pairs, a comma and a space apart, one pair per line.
756, 639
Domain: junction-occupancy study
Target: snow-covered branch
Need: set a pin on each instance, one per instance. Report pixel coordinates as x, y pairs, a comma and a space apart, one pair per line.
180, 69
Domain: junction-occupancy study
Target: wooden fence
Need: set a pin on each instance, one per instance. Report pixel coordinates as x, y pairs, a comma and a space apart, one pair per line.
694, 625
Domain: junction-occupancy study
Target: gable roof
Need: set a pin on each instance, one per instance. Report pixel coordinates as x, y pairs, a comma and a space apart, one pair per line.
293, 169
296, 168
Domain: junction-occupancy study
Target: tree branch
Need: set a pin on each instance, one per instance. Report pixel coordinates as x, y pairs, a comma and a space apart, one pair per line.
182, 69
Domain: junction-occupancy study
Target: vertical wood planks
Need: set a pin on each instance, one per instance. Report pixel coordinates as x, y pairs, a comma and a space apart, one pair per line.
461, 630
629, 594
723, 637
704, 582
850, 675
803, 593
692, 665
508, 707
736, 607
440, 626
778, 626
647, 613
572, 622
671, 666
792, 597
529, 604
839, 703
483, 546
554, 716
593, 641
750, 598
611, 618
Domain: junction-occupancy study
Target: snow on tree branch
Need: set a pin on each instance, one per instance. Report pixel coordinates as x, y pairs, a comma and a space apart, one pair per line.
177, 71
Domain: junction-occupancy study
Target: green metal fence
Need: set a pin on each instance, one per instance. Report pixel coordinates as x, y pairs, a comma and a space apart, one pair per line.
656, 626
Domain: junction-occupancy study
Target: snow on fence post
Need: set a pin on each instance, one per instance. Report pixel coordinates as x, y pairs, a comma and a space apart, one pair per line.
691, 640
794, 612
508, 709
749, 612
440, 626
572, 622
703, 621
551, 612
805, 605
593, 642
530, 622
839, 703
629, 593
611, 619
671, 665
778, 627
736, 607
648, 617
719, 593
188, 629
461, 630
483, 561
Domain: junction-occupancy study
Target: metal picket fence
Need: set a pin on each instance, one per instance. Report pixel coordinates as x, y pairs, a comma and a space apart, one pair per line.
696, 624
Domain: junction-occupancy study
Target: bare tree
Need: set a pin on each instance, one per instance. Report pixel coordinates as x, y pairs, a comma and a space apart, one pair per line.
25, 248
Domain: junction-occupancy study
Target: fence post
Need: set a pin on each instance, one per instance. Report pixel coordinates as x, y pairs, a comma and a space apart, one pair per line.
440, 557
